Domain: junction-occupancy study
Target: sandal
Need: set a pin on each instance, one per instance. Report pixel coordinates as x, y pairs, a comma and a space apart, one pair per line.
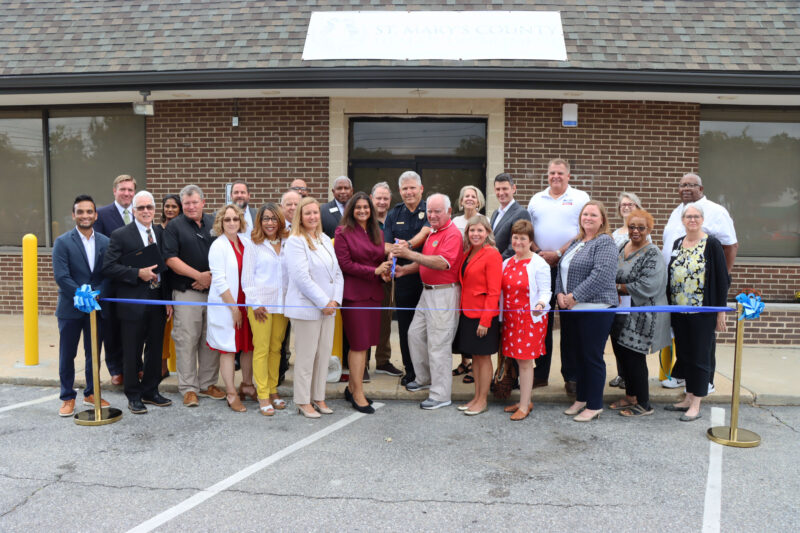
616, 406
247, 390
469, 378
462, 369
278, 403
637, 410
266, 410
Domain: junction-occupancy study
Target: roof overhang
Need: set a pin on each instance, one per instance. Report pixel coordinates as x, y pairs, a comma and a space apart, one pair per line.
743, 88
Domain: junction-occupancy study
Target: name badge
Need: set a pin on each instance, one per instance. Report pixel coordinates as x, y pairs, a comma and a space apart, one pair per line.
567, 202
334, 209
399, 223
421, 215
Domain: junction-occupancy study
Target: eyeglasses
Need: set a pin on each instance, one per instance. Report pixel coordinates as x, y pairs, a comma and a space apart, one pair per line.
269, 219
627, 204
150, 207
640, 229
688, 186
228, 219
298, 189
693, 217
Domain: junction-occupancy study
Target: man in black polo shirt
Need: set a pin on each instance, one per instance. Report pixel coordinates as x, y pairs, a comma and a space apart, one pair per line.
186, 243
407, 221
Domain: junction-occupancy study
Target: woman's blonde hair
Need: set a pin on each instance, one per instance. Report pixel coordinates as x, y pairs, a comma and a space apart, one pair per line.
478, 193
482, 221
603, 214
217, 230
297, 225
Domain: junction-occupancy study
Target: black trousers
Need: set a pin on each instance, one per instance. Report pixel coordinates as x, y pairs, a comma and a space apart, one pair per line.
112, 342
694, 345
143, 336
633, 367
407, 291
542, 370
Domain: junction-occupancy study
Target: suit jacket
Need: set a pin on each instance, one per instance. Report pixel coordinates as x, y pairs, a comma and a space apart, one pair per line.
502, 233
109, 219
330, 215
481, 283
314, 278
125, 281
71, 270
592, 273
358, 257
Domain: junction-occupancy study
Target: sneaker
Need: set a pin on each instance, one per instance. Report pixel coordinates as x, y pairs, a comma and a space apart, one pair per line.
672, 383
615, 382
212, 392
88, 401
711, 388
190, 399
414, 386
67, 408
430, 404
366, 377
406, 379
388, 369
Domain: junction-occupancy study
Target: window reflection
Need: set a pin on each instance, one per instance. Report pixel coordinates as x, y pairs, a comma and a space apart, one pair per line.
21, 179
753, 169
401, 138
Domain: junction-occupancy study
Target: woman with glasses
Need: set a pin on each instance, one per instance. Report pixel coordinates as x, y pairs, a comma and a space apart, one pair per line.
170, 208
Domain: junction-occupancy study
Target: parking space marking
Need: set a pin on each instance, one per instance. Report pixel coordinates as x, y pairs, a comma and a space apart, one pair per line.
226, 483
29, 402
712, 507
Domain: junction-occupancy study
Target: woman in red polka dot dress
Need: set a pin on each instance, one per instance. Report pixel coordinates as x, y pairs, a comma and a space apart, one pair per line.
525, 298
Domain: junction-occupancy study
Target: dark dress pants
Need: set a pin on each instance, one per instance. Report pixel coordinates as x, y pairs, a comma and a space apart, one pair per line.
590, 332
694, 345
407, 291
69, 330
144, 335
633, 367
542, 370
112, 342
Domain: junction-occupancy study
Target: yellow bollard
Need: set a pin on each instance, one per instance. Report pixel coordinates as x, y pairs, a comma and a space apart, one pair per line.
30, 298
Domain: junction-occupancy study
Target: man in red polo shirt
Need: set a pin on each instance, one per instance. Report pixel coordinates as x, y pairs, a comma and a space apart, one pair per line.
430, 336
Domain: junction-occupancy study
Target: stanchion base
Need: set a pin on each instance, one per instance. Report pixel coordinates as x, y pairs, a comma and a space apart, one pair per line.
108, 415
744, 438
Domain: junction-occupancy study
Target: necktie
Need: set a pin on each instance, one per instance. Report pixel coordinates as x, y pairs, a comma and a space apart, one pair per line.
153, 284
126, 217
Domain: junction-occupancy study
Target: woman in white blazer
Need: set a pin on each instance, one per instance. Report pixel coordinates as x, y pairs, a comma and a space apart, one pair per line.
314, 293
228, 330
264, 280
524, 301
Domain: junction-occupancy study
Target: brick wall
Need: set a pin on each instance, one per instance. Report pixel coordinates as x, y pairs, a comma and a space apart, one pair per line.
11, 286
277, 140
772, 327
777, 283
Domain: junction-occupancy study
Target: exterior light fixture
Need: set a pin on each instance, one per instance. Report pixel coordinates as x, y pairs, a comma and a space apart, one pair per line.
144, 107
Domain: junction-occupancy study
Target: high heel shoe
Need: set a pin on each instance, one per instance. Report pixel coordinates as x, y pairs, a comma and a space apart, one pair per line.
366, 409
572, 412
235, 405
349, 396
307, 414
321, 409
244, 394
593, 416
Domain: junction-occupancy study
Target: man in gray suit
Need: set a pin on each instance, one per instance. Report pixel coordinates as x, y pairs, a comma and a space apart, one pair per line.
508, 213
333, 210
240, 195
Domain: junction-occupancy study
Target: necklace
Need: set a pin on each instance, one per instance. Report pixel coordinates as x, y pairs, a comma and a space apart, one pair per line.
274, 242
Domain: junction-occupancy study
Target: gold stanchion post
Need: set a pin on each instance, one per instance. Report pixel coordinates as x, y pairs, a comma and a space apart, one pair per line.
98, 416
732, 435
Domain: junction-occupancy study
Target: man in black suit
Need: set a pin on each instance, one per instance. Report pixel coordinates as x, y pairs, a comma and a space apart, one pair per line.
332, 212
141, 326
509, 212
110, 217
77, 260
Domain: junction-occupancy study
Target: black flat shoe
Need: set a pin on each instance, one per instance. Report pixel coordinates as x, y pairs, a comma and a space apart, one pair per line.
137, 407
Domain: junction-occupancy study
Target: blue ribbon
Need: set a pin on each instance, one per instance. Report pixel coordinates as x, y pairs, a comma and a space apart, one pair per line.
394, 261
751, 306
86, 299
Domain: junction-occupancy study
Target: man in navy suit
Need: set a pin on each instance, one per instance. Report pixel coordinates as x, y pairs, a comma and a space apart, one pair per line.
508, 213
111, 217
332, 212
77, 260
141, 326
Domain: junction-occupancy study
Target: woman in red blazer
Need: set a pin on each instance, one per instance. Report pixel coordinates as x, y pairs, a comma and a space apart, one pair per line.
358, 243
481, 272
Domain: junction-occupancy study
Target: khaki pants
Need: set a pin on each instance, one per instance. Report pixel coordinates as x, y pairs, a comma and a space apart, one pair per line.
430, 340
267, 341
383, 351
313, 341
198, 365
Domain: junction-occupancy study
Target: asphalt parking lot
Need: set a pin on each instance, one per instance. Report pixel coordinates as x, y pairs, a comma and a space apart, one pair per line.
179, 469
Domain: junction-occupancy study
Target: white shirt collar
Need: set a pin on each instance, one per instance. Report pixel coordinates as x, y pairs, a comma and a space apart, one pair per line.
121, 209
503, 210
141, 226
84, 238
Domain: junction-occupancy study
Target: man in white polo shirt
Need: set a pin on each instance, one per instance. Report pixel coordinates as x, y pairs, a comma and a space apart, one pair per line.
718, 223
554, 214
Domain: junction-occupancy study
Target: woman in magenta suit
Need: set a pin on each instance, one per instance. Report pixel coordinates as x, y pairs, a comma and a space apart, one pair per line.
359, 248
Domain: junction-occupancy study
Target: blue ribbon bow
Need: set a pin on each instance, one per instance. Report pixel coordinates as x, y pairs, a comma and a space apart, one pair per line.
394, 262
751, 306
85, 299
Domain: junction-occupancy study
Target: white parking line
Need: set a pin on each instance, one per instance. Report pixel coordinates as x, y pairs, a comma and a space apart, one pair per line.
713, 504
29, 402
215, 489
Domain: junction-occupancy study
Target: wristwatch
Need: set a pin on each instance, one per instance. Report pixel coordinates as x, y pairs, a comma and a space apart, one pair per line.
558, 253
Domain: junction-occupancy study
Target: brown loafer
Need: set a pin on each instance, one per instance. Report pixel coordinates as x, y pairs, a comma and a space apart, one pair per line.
212, 392
116, 379
519, 414
515, 407
89, 401
190, 399
67, 408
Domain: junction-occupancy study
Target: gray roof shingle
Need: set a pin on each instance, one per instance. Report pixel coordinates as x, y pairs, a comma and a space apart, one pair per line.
95, 36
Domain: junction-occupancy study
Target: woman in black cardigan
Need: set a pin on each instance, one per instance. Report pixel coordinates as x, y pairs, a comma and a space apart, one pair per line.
697, 277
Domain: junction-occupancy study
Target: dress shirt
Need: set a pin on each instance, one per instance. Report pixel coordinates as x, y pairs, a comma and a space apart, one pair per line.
555, 220
122, 211
264, 276
143, 232
500, 212
340, 206
716, 222
89, 246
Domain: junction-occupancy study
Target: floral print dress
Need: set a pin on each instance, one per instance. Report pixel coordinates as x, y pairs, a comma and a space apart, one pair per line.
688, 275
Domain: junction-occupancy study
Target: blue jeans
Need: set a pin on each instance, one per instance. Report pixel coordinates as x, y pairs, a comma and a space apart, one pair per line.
70, 330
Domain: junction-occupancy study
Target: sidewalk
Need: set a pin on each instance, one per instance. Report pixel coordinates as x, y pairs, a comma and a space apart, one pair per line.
768, 372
